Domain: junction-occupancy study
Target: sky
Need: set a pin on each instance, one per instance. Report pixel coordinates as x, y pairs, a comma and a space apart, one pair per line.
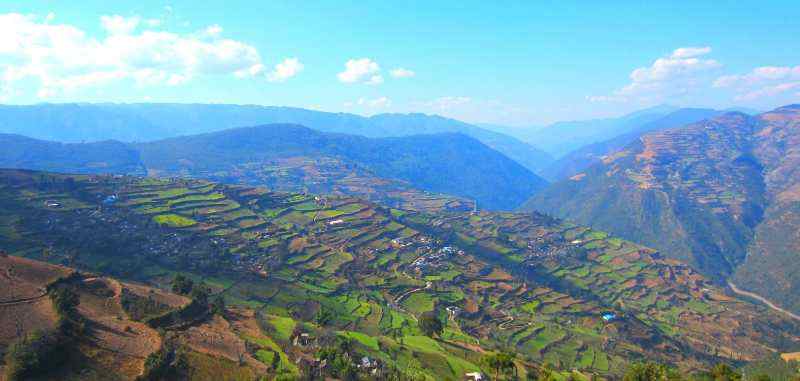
518, 63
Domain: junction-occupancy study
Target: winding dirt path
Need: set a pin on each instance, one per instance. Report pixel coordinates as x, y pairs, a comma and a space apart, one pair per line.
762, 299
400, 298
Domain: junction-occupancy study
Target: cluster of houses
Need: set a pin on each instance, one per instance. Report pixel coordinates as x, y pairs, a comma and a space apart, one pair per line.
433, 259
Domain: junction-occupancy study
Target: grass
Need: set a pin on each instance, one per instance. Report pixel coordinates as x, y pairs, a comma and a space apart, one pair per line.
364, 339
174, 220
418, 302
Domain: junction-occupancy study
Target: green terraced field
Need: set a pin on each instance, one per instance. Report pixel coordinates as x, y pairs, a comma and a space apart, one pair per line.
523, 283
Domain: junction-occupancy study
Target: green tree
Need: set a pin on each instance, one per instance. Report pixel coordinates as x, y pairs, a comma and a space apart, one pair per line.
723, 372
501, 363
542, 374
33, 354
430, 324
323, 317
218, 305
182, 285
646, 372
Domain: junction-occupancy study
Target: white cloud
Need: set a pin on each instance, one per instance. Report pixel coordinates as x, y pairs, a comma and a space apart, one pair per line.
443, 104
153, 22
213, 30
285, 70
402, 73
684, 69
381, 102
763, 74
761, 82
358, 70
62, 57
605, 98
251, 71
768, 91
691, 52
374, 80
117, 24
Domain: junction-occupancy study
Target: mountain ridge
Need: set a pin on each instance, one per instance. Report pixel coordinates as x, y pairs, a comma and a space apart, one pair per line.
720, 194
142, 122
453, 163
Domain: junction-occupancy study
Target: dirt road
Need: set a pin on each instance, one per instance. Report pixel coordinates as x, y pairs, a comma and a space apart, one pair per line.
762, 300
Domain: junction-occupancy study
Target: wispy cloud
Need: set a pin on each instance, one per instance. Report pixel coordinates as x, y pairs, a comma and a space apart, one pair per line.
402, 73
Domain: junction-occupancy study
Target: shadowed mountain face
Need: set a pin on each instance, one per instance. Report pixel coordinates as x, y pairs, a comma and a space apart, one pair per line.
721, 194
148, 122
294, 158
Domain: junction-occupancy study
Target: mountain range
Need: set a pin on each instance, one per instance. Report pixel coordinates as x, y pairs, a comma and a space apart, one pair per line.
448, 163
721, 194
143, 122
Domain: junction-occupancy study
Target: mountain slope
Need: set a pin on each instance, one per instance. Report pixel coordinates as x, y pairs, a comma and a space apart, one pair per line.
342, 270
720, 194
581, 158
445, 163
147, 122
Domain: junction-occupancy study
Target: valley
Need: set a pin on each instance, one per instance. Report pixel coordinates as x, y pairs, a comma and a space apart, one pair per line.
340, 267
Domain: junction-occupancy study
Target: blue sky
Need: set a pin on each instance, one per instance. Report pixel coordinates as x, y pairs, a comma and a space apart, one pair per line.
516, 63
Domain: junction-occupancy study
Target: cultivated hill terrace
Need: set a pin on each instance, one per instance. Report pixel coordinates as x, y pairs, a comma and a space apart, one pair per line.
551, 292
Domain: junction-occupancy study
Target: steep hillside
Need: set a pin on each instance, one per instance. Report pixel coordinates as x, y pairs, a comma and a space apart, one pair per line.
586, 156
718, 194
446, 163
147, 122
342, 279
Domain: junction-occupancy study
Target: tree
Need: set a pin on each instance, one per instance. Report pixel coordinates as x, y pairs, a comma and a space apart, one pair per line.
542, 374
182, 285
430, 324
33, 354
218, 305
646, 372
323, 317
501, 363
723, 372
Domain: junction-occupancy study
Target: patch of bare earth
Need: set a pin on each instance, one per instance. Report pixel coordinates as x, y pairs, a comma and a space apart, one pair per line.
114, 343
218, 338
24, 305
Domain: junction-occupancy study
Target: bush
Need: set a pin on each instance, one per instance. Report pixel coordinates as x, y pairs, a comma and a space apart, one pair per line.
33, 355
430, 324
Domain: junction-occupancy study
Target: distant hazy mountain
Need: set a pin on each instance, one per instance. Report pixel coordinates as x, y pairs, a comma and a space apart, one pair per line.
580, 159
451, 163
560, 138
98, 157
722, 194
147, 122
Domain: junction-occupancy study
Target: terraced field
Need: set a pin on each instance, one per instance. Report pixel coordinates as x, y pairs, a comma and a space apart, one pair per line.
339, 267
